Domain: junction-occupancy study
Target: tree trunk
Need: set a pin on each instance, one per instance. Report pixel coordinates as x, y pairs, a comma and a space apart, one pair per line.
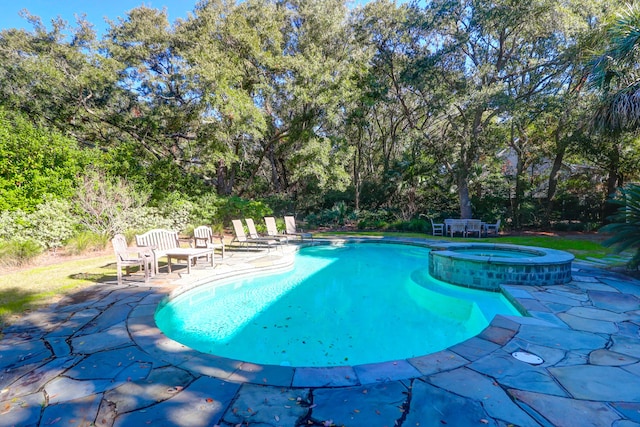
224, 179
220, 177
519, 191
356, 180
463, 195
468, 156
561, 148
614, 179
275, 177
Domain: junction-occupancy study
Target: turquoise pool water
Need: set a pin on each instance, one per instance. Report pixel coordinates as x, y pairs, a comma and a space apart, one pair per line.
340, 305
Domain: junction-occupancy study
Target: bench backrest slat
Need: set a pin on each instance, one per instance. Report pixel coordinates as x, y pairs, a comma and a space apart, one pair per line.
160, 239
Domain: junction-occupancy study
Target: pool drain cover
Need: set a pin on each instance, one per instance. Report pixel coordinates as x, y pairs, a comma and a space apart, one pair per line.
523, 356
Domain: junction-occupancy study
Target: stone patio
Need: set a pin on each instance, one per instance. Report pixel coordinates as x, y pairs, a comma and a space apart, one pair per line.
97, 359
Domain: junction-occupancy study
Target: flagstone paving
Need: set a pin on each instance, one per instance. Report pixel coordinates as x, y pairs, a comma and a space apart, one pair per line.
99, 360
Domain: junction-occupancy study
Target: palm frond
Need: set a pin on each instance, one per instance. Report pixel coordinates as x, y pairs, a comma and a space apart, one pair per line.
625, 226
626, 33
620, 111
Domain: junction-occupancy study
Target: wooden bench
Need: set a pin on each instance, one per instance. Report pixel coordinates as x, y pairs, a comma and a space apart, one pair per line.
160, 241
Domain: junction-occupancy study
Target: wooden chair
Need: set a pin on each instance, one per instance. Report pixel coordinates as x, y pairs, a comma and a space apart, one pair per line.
131, 257
492, 229
203, 238
437, 228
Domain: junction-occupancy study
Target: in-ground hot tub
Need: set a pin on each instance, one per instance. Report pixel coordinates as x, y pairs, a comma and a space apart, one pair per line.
487, 266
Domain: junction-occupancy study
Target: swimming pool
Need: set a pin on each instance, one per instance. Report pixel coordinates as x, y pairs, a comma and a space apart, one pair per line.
340, 305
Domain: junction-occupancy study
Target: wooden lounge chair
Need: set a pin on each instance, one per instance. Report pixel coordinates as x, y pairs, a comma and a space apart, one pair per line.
290, 224
203, 238
241, 237
272, 229
492, 229
131, 257
253, 233
437, 228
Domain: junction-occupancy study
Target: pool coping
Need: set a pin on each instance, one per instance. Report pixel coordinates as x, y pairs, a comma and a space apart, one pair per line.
547, 256
144, 332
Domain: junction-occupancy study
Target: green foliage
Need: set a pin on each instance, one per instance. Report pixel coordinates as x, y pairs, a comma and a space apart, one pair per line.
615, 72
165, 177
86, 241
625, 225
34, 163
177, 210
12, 224
128, 161
205, 209
374, 220
51, 224
18, 252
280, 204
338, 216
382, 219
413, 226
305, 107
236, 207
140, 219
574, 226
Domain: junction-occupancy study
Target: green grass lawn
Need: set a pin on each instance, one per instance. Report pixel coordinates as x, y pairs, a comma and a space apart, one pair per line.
582, 246
36, 287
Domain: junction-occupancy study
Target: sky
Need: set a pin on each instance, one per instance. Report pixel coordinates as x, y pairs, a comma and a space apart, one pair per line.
95, 10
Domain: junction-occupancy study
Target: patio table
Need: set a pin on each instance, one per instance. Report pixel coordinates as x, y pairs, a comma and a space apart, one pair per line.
189, 254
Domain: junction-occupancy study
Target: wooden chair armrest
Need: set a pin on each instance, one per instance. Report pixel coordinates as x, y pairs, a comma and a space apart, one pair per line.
200, 242
138, 252
143, 250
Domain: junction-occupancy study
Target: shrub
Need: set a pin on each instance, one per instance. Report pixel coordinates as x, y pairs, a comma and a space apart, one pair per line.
141, 219
18, 252
12, 224
236, 207
413, 226
280, 203
86, 241
625, 225
205, 209
106, 205
35, 163
374, 220
177, 212
49, 225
